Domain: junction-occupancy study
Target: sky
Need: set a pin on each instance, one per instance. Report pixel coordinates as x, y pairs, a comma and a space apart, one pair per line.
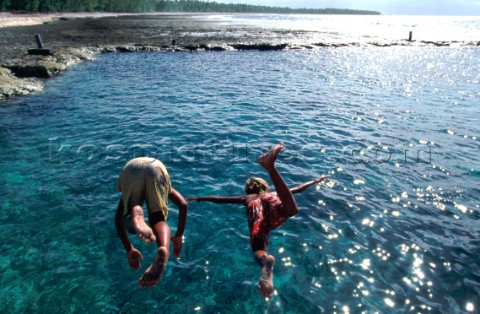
400, 7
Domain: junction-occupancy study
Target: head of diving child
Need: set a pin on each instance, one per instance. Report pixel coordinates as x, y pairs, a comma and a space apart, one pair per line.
256, 186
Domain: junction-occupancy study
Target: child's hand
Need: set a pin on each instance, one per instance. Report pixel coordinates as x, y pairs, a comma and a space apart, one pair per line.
321, 178
177, 242
134, 258
192, 199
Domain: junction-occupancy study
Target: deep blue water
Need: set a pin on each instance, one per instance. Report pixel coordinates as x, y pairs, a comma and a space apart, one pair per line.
396, 227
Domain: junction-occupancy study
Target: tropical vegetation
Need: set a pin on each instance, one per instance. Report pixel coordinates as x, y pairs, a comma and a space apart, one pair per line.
156, 6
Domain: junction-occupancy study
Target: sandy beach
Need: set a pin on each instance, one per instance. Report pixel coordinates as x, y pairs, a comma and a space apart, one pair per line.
9, 19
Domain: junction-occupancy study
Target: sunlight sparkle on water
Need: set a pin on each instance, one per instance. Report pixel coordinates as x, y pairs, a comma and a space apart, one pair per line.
469, 307
287, 261
389, 302
461, 208
365, 264
329, 184
368, 222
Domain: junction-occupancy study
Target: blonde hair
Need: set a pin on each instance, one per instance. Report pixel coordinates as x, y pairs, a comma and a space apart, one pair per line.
256, 186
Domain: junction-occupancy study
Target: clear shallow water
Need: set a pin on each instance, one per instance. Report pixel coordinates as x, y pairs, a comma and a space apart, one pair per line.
396, 228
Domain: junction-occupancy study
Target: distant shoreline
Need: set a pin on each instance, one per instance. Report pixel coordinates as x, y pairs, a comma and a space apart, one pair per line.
9, 19
166, 6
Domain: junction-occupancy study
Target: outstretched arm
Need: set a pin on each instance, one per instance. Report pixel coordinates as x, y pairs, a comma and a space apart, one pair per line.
302, 187
134, 256
219, 199
180, 202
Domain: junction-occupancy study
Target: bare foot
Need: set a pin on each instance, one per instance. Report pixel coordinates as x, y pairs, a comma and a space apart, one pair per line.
154, 273
267, 160
143, 230
265, 284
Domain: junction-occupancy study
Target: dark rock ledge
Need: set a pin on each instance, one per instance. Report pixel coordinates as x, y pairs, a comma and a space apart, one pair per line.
27, 73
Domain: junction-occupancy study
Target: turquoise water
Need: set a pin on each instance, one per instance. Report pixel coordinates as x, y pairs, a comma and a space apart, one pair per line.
396, 227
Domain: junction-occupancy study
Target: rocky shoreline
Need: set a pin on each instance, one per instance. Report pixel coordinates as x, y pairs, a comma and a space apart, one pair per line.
73, 40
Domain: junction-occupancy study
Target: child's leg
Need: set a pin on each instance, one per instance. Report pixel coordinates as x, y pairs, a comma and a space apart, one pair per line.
267, 161
162, 232
265, 284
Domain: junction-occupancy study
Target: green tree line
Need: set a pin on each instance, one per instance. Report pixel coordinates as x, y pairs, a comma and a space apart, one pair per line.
156, 6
